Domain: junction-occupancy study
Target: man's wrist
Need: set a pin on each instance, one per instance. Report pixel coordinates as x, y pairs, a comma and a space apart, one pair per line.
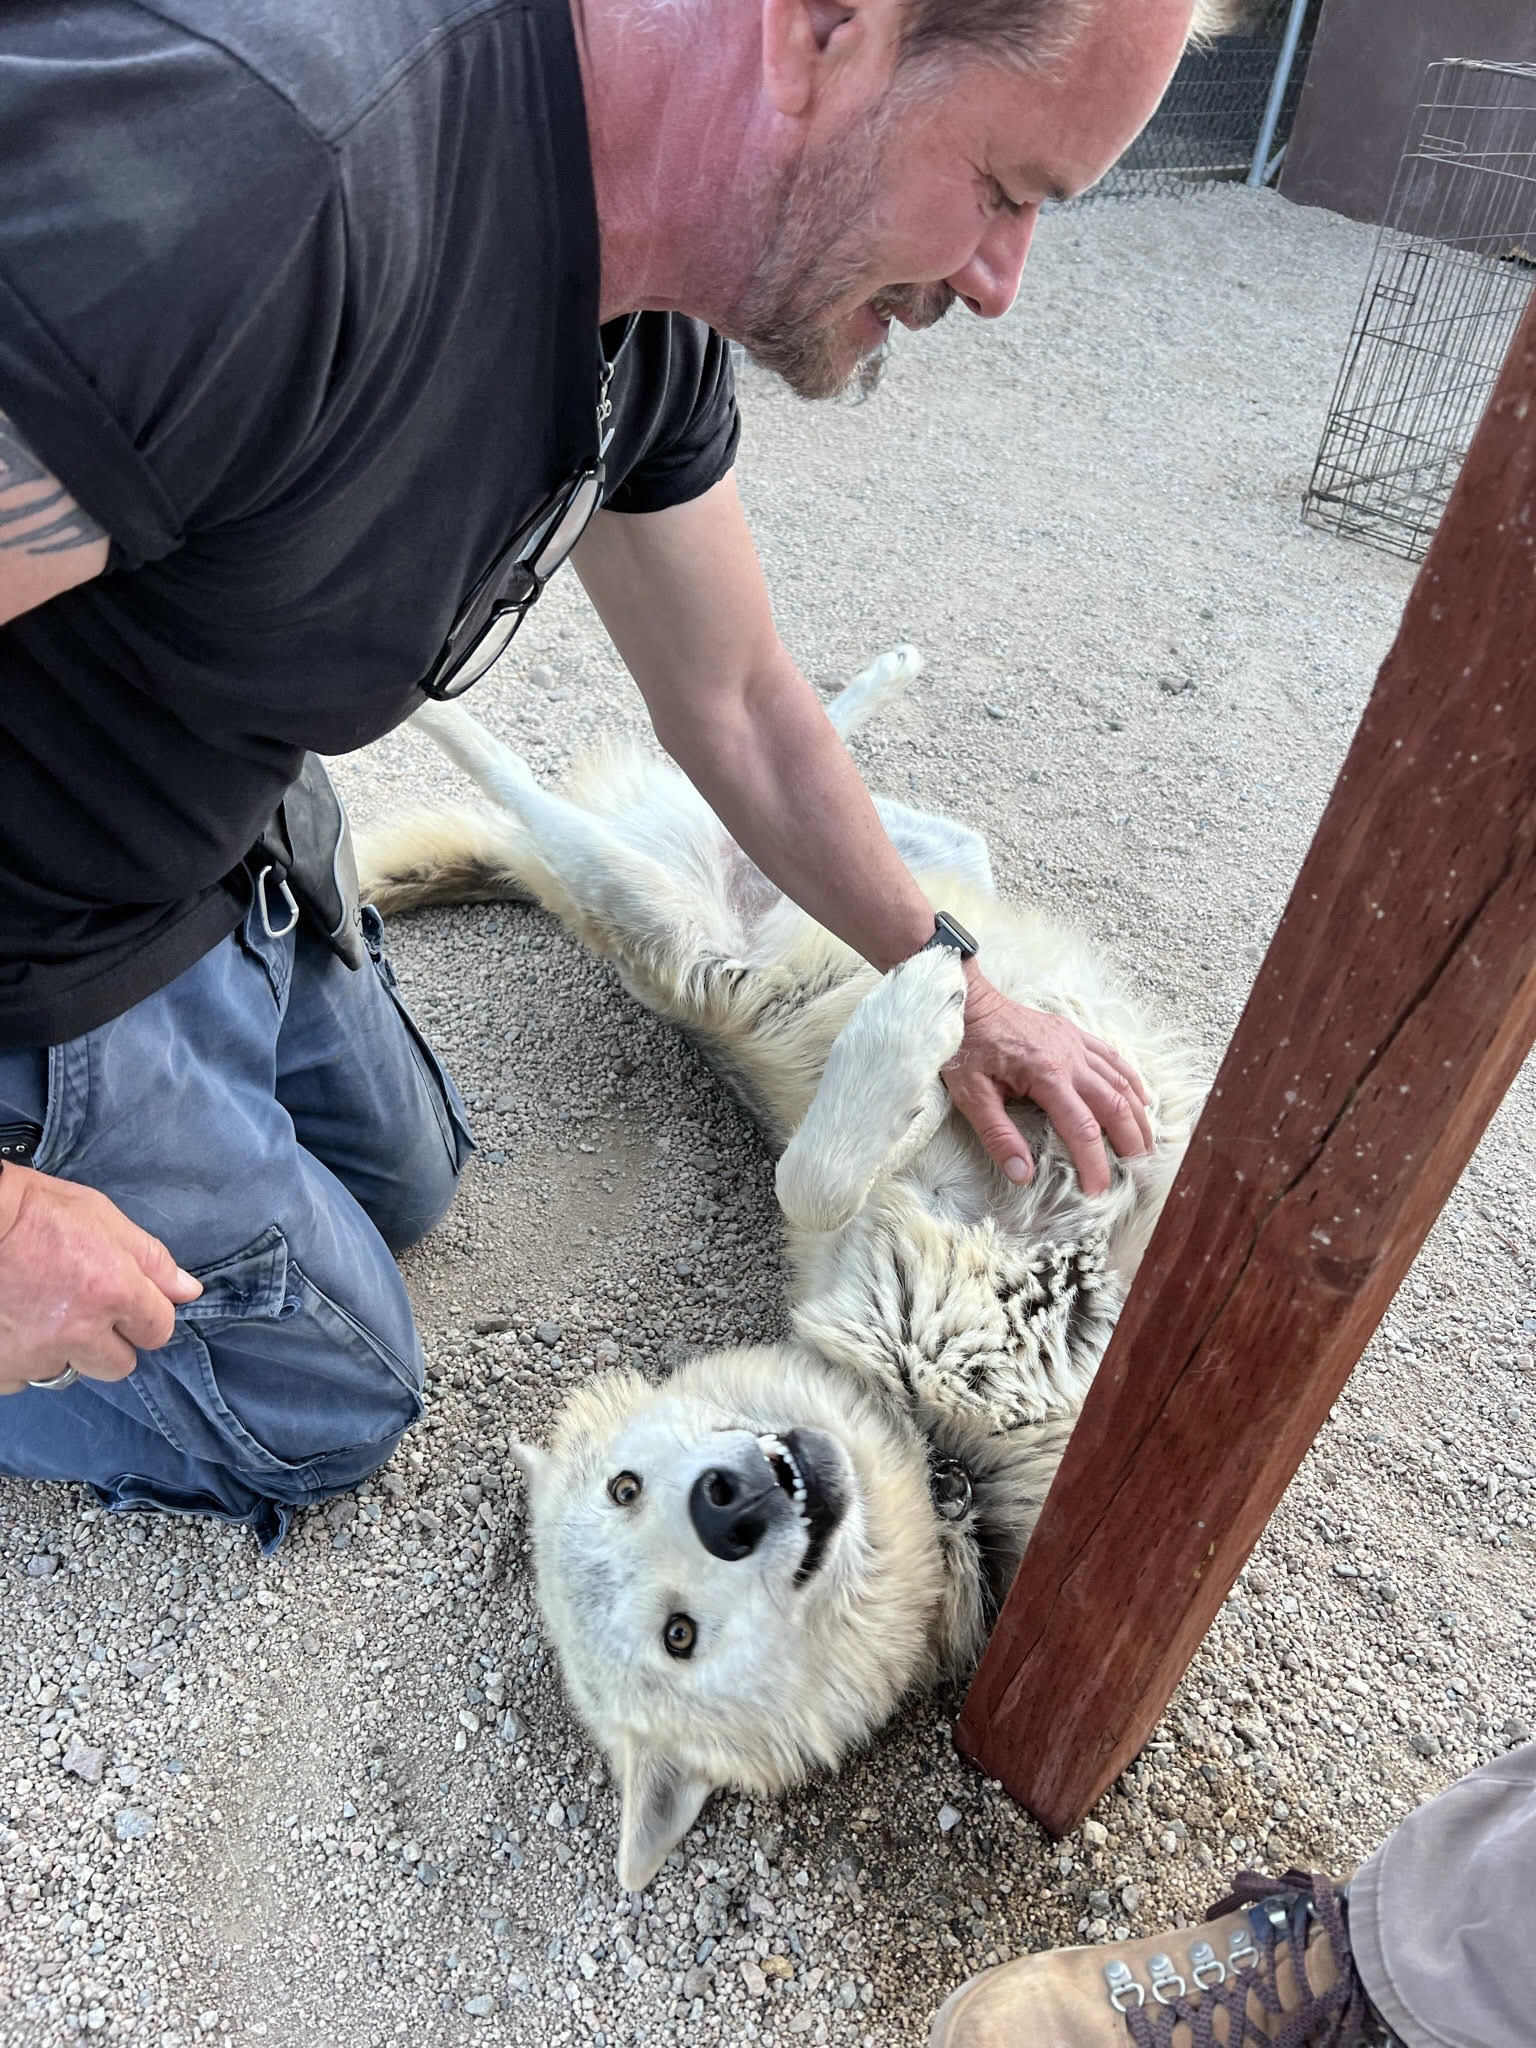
13, 1188
949, 932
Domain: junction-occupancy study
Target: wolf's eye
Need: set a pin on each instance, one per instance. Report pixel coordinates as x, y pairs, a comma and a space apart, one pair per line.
680, 1635
624, 1487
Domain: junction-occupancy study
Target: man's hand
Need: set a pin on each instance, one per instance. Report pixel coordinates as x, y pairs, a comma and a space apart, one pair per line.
79, 1284
1084, 1086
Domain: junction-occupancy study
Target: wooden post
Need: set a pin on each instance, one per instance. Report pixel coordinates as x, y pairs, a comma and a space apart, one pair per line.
1391, 1013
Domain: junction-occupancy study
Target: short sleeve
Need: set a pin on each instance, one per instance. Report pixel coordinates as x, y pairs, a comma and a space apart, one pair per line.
172, 264
677, 419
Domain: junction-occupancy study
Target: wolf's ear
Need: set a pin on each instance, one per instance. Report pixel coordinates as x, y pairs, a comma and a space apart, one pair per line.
659, 1801
533, 1463
880, 1097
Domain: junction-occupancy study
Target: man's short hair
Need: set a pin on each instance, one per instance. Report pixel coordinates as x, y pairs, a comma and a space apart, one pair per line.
1027, 31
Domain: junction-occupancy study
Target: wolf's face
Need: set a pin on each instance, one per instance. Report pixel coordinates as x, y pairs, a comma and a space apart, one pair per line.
738, 1571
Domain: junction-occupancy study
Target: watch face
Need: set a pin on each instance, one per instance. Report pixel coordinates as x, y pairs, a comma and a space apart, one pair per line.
951, 932
955, 930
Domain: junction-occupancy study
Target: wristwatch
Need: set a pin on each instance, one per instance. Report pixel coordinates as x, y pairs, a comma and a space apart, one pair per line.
948, 931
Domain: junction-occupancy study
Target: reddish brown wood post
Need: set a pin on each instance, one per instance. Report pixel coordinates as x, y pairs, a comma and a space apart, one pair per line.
1390, 1015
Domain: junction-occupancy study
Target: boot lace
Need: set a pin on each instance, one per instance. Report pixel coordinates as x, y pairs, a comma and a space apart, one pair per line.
1278, 1910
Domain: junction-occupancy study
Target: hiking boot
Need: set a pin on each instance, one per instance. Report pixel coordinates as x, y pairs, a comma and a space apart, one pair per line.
1232, 1983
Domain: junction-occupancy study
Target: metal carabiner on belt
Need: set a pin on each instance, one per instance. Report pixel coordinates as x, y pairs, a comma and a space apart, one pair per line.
275, 931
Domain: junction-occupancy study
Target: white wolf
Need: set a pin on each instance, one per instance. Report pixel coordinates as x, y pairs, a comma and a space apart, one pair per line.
745, 1569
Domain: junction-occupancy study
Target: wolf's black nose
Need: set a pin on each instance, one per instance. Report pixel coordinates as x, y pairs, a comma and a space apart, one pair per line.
727, 1512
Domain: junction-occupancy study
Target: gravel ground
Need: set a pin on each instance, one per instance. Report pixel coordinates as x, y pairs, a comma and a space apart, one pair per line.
336, 1797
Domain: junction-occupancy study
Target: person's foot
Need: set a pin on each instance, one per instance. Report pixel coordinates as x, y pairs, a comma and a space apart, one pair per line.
1232, 1983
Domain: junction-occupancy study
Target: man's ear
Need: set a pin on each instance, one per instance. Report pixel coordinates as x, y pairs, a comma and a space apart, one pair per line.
806, 41
659, 1802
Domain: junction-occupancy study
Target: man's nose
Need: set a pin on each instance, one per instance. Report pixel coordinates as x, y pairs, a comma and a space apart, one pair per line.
989, 281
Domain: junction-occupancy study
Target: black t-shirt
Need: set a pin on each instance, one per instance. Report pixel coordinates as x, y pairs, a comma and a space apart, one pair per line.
299, 300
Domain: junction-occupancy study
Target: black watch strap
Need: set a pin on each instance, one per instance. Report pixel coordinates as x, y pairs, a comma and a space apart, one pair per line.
948, 931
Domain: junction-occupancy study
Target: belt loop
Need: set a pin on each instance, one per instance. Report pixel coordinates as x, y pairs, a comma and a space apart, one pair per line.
272, 931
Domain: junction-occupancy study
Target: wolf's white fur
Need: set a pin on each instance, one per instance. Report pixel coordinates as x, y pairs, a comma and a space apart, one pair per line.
947, 1324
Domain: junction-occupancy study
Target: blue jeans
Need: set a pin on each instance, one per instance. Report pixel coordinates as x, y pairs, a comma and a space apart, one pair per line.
277, 1120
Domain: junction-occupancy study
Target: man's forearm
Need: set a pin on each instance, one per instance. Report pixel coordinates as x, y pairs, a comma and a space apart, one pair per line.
683, 595
684, 598
777, 775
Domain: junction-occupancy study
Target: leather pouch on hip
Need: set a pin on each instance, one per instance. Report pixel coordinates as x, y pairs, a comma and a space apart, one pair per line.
308, 846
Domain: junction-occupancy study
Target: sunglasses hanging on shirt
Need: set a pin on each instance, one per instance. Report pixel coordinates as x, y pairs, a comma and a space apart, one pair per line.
509, 589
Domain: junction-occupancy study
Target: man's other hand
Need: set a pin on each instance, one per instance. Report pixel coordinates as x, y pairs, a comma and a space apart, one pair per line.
79, 1284
1086, 1088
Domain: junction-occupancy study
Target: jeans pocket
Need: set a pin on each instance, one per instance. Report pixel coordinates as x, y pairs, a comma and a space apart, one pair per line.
453, 1118
272, 1379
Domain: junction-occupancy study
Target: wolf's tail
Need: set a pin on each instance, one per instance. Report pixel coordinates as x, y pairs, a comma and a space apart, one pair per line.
464, 855
882, 683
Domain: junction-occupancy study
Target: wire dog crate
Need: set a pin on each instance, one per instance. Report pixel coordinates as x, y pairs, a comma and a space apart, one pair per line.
1214, 112
1453, 270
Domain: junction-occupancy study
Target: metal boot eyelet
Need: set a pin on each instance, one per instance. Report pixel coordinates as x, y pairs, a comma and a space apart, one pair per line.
1205, 1966
1160, 1969
1121, 1984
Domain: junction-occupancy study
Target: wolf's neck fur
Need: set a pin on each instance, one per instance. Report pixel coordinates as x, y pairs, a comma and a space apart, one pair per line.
999, 1334
985, 1348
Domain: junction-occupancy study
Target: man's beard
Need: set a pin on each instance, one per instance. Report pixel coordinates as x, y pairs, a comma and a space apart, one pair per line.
820, 230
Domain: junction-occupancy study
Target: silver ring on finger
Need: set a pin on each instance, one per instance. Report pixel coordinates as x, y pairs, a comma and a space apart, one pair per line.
66, 1378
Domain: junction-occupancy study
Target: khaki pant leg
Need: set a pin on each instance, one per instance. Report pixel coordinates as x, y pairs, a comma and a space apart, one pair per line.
1442, 1919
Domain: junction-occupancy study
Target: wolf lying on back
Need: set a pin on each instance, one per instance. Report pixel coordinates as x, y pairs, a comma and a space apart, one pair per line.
743, 1570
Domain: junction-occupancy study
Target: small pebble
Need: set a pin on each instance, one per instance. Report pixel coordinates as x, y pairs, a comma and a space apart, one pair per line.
82, 1761
949, 1818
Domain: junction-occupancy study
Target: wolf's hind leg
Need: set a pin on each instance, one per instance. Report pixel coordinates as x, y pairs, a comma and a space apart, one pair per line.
620, 901
882, 683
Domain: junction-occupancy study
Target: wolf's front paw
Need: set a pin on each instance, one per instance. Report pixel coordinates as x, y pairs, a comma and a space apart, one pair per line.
880, 1098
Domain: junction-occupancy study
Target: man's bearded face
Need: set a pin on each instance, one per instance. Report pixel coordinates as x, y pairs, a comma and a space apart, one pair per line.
806, 320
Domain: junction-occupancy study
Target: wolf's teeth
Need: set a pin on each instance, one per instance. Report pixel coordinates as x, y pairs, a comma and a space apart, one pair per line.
777, 1452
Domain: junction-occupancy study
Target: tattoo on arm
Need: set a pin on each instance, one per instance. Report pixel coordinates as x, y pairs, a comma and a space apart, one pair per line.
37, 514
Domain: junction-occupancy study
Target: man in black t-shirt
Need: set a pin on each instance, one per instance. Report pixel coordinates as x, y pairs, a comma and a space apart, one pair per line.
312, 332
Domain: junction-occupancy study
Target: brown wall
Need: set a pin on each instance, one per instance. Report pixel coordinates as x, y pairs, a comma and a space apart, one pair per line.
1363, 83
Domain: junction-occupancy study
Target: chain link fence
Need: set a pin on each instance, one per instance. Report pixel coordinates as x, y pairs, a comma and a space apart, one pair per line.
1209, 124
